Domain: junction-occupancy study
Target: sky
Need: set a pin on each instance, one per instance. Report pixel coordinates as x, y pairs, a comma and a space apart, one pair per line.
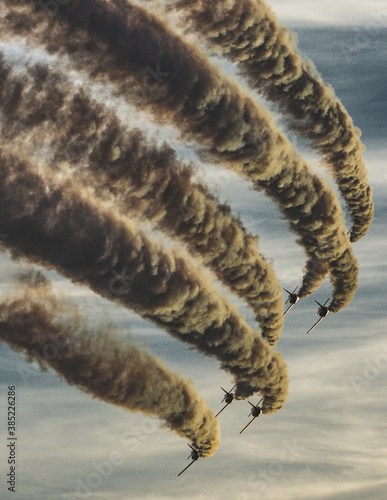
329, 441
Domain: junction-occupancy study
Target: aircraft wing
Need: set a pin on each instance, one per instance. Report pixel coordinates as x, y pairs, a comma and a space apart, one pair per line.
314, 326
254, 406
219, 412
244, 428
228, 392
189, 465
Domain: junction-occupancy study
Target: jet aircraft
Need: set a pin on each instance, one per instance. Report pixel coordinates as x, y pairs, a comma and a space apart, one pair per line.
228, 399
194, 455
255, 412
322, 312
292, 299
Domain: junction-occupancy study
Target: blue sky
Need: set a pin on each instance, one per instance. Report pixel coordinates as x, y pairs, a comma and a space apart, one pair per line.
330, 440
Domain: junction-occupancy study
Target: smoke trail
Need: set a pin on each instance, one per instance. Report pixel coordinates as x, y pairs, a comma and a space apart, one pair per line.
143, 178
51, 222
119, 42
104, 365
247, 31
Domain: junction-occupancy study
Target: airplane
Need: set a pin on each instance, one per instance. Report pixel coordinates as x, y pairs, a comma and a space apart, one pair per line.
228, 399
292, 299
194, 455
322, 312
255, 412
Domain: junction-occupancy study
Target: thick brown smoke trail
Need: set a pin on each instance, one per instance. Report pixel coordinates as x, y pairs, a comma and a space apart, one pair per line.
109, 368
118, 42
247, 31
41, 106
51, 222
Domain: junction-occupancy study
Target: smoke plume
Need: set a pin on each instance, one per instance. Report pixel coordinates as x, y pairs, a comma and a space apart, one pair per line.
51, 222
42, 108
118, 42
248, 33
103, 364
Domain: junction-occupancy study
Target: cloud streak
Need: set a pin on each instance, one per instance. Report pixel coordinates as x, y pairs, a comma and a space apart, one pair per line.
52, 222
144, 178
118, 42
248, 33
52, 332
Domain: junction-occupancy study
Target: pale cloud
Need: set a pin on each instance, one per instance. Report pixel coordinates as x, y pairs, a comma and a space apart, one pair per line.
331, 12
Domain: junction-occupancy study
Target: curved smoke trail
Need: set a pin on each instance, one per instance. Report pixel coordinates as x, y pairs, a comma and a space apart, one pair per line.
52, 222
248, 33
118, 42
142, 177
103, 364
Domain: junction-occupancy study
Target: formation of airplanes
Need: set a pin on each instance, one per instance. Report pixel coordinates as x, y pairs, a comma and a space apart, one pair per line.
256, 410
228, 398
292, 300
